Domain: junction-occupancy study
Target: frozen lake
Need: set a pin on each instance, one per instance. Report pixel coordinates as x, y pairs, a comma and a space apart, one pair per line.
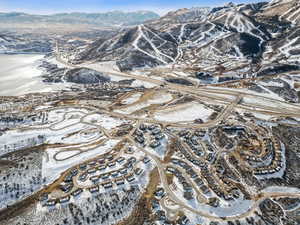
19, 74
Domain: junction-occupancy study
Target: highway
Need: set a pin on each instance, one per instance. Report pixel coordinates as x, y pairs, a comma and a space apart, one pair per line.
258, 103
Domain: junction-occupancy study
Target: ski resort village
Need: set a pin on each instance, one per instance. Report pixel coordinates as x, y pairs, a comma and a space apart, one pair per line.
192, 118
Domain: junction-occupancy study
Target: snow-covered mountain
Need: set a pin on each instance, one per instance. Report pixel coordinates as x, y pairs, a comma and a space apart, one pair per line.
27, 43
99, 19
262, 34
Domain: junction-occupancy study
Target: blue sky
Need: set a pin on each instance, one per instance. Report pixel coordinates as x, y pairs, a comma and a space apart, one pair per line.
56, 6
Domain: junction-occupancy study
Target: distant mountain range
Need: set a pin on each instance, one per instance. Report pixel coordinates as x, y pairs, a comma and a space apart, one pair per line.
102, 19
264, 35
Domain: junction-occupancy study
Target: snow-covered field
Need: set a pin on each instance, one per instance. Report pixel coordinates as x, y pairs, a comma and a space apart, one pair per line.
20, 75
186, 112
51, 169
156, 98
104, 121
131, 99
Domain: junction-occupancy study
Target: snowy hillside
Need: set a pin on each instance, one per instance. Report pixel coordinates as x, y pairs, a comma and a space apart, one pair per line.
258, 34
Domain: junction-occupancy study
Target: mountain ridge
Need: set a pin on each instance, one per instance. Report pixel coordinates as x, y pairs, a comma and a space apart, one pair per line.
104, 19
241, 32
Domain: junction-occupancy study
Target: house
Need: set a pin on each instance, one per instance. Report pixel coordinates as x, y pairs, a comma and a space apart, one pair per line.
109, 157
66, 187
51, 202
95, 179
183, 220
107, 185
77, 192
101, 168
130, 178
92, 163
171, 170
123, 171
146, 160
138, 171
160, 192
68, 178
115, 174
120, 159
132, 159
91, 171
119, 181
44, 197
183, 133
138, 133
143, 127
188, 195
154, 144
112, 164
204, 189
186, 186
101, 161
105, 176
74, 172
64, 199
175, 161
82, 166
140, 139
83, 177
198, 181
152, 127
155, 204
156, 131
159, 136
94, 189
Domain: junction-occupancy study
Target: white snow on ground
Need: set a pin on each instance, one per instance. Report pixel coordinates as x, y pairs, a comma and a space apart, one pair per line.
284, 189
186, 112
132, 108
280, 173
88, 135
141, 72
71, 118
270, 94
161, 150
57, 136
108, 68
228, 97
157, 54
14, 140
66, 154
52, 136
104, 121
158, 98
271, 83
289, 80
17, 140
56, 116
20, 75
180, 74
290, 45
53, 114
53, 60
131, 99
236, 207
181, 32
291, 15
139, 83
51, 169
262, 116
194, 218
268, 103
